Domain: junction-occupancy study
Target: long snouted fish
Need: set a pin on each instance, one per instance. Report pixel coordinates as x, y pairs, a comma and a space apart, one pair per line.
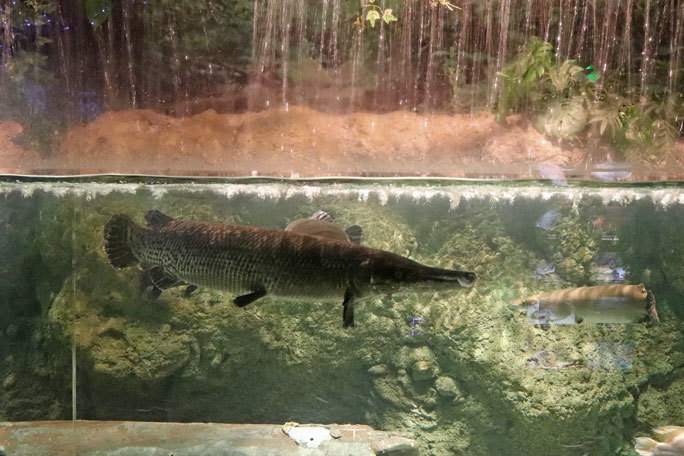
254, 262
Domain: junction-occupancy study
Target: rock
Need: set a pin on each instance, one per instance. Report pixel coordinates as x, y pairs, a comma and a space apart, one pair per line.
424, 370
12, 331
378, 370
308, 436
9, 381
446, 386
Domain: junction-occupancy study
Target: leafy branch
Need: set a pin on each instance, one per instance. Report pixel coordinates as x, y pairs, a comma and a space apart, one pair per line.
375, 13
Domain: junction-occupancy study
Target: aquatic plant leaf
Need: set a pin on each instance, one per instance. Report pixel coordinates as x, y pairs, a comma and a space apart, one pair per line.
372, 16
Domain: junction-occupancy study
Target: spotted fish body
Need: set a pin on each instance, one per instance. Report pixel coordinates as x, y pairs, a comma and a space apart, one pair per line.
254, 262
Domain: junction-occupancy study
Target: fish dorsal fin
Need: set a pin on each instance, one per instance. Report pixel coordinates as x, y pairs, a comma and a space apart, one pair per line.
156, 218
355, 233
320, 228
323, 216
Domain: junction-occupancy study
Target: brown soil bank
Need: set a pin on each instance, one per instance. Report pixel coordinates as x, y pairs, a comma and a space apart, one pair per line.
304, 142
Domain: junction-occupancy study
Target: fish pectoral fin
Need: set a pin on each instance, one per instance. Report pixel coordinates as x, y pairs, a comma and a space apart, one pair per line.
348, 309
243, 300
161, 279
354, 233
155, 218
189, 290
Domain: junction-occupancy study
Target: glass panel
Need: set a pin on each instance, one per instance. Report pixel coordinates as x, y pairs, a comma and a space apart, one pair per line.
454, 225
505, 88
464, 370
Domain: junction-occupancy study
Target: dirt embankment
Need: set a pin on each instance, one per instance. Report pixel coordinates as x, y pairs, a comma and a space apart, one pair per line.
298, 142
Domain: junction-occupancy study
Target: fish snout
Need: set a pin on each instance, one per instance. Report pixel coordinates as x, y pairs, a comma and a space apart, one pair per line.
466, 279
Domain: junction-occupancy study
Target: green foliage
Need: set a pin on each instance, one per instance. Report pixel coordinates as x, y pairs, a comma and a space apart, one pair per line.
375, 13
565, 100
520, 78
564, 118
562, 76
97, 11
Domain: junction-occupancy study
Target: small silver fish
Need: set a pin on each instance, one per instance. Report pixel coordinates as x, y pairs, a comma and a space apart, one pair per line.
548, 220
591, 305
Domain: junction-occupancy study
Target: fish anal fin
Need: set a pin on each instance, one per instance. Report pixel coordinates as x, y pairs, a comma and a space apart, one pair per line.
154, 218
354, 233
348, 309
161, 279
243, 300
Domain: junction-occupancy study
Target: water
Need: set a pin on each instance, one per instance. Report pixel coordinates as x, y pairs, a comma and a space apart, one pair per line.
462, 372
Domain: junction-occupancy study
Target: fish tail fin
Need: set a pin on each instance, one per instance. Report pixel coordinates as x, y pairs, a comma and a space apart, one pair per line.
645, 446
665, 433
116, 241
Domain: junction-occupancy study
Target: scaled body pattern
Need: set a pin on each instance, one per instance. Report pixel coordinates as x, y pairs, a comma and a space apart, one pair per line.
254, 262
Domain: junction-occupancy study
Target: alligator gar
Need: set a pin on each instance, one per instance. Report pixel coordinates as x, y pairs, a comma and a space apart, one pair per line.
254, 262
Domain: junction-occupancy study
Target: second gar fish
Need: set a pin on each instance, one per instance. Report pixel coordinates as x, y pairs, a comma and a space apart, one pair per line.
254, 262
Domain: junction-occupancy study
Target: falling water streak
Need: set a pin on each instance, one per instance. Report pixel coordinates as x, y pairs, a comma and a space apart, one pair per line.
548, 15
357, 50
489, 46
255, 23
63, 50
626, 51
300, 29
334, 50
583, 31
645, 53
379, 64
324, 22
406, 51
419, 61
463, 34
389, 82
264, 58
528, 16
559, 36
654, 41
176, 61
505, 16
595, 35
435, 26
673, 16
8, 35
286, 18
568, 51
129, 53
106, 61
206, 39
607, 35
679, 46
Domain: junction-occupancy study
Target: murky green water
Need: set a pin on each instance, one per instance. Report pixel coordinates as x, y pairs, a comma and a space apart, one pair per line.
465, 371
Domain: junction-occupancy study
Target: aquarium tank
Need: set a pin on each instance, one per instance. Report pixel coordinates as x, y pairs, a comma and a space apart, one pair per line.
342, 227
